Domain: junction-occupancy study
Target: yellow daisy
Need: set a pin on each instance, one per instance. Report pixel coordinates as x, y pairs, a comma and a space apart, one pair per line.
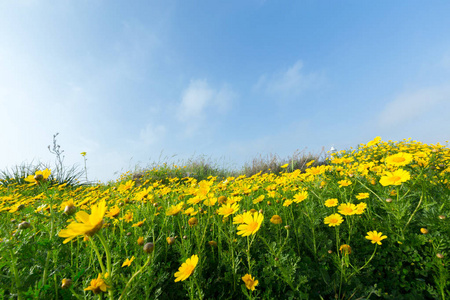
186, 269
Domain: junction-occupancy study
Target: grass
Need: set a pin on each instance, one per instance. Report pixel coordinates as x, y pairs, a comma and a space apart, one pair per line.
280, 227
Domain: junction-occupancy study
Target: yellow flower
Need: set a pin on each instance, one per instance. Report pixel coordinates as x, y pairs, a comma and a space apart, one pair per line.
138, 224
395, 178
210, 201
190, 212
251, 224
362, 196
128, 217
83, 153
399, 159
360, 208
186, 268
259, 199
345, 249
174, 209
170, 240
228, 209
127, 262
140, 241
87, 224
347, 209
344, 183
299, 197
331, 202
284, 166
126, 186
333, 220
375, 237
97, 285
287, 203
113, 212
374, 141
239, 219
38, 176
250, 282
276, 219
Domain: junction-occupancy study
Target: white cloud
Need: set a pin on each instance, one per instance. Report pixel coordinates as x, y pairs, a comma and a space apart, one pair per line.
410, 106
200, 97
195, 99
152, 134
288, 83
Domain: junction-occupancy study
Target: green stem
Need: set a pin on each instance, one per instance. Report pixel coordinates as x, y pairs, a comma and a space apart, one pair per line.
134, 275
16, 275
47, 260
357, 271
108, 260
108, 253
412, 215
75, 294
191, 289
99, 257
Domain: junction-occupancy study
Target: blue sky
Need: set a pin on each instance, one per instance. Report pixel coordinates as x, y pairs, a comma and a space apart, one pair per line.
134, 82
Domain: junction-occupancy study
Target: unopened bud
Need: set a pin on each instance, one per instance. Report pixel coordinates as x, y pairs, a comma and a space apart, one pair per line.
149, 247
70, 210
66, 283
424, 230
38, 177
24, 225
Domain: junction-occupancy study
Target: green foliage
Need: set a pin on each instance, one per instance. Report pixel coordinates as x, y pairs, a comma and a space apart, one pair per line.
301, 258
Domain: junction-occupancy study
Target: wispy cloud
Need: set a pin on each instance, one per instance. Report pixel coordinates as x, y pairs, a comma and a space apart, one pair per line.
288, 83
200, 100
409, 106
152, 133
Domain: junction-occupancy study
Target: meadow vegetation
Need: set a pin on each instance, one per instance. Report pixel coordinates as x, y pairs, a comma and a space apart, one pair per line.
365, 223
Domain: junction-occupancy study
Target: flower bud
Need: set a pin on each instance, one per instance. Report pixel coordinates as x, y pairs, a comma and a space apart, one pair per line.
424, 230
442, 217
222, 199
66, 283
149, 247
212, 243
193, 221
439, 255
70, 210
388, 200
39, 177
170, 240
24, 225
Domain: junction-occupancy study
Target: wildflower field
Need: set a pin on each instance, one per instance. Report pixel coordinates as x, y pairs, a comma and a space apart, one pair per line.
367, 223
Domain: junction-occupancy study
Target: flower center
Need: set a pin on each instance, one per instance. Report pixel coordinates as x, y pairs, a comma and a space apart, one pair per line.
399, 159
252, 226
